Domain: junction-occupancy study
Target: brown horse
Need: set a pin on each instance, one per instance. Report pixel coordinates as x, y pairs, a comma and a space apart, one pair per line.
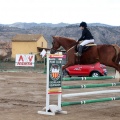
108, 55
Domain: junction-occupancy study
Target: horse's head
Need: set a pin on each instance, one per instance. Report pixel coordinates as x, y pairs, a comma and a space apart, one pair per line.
58, 41
55, 45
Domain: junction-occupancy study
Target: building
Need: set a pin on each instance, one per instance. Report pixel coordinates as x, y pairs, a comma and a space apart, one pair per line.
28, 44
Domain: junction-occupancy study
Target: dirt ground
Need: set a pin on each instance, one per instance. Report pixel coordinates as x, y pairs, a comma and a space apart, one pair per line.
22, 94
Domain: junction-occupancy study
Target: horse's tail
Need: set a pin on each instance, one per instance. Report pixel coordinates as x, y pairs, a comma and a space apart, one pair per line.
119, 56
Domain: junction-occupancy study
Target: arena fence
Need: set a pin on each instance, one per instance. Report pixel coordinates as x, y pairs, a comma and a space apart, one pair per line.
10, 66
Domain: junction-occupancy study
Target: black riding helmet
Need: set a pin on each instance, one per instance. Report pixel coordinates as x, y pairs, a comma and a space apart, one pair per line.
83, 24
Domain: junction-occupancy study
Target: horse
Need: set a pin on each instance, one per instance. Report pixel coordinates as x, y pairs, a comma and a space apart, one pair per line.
108, 55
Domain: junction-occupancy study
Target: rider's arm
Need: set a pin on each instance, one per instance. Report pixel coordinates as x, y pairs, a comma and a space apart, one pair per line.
83, 35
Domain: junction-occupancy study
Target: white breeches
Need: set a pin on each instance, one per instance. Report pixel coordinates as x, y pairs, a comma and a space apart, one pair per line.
87, 41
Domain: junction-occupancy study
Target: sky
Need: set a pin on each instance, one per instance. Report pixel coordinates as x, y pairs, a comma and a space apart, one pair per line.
57, 11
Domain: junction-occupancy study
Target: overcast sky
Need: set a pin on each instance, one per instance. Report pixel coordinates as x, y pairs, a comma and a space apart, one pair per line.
56, 11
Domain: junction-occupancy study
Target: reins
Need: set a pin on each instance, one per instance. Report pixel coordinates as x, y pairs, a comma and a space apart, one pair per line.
72, 46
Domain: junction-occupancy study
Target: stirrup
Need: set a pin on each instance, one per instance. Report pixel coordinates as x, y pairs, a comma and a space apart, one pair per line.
78, 54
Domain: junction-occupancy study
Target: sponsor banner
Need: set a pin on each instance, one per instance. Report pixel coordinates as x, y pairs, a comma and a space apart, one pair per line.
25, 60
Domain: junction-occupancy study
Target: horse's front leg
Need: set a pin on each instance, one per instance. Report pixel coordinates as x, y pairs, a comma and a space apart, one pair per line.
64, 69
66, 65
70, 62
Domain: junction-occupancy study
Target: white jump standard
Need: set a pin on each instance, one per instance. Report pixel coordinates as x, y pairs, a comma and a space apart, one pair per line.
53, 85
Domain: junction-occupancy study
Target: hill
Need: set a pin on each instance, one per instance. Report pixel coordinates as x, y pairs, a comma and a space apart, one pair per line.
103, 34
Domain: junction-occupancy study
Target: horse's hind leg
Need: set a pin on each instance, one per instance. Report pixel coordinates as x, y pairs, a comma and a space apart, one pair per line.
117, 75
117, 67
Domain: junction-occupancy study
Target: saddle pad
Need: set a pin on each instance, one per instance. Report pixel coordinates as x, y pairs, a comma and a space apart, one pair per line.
91, 44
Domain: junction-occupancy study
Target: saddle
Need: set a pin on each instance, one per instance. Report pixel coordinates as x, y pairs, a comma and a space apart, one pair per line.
86, 47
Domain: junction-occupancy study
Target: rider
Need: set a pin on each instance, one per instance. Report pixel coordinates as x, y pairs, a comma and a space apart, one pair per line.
86, 38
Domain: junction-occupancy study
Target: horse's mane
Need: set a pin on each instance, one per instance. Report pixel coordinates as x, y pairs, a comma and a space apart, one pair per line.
65, 42
66, 38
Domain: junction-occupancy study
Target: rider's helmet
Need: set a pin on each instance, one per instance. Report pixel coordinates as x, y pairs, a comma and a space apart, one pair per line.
83, 24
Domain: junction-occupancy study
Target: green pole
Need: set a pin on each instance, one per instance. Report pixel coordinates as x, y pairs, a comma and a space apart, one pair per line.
91, 85
88, 78
90, 101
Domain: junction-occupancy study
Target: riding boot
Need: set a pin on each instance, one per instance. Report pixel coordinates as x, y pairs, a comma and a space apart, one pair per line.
79, 53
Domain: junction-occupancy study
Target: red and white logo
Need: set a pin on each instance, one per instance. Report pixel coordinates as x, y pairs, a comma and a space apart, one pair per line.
25, 60
55, 72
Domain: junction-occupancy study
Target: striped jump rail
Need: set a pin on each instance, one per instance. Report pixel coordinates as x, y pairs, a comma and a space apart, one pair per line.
90, 101
88, 78
90, 93
91, 85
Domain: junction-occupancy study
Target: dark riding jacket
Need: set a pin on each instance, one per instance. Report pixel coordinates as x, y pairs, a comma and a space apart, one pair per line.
86, 35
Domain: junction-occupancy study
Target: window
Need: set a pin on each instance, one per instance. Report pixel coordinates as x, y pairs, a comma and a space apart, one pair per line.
42, 44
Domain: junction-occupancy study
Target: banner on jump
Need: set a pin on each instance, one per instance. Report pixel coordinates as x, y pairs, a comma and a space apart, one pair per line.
25, 60
55, 72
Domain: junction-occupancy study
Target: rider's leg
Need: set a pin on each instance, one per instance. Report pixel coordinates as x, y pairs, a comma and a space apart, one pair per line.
79, 53
85, 42
80, 47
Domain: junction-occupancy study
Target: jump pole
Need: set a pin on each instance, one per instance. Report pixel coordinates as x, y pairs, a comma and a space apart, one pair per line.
89, 93
90, 101
91, 85
88, 78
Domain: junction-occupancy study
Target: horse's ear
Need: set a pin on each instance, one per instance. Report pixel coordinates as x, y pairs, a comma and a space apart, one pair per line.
53, 37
